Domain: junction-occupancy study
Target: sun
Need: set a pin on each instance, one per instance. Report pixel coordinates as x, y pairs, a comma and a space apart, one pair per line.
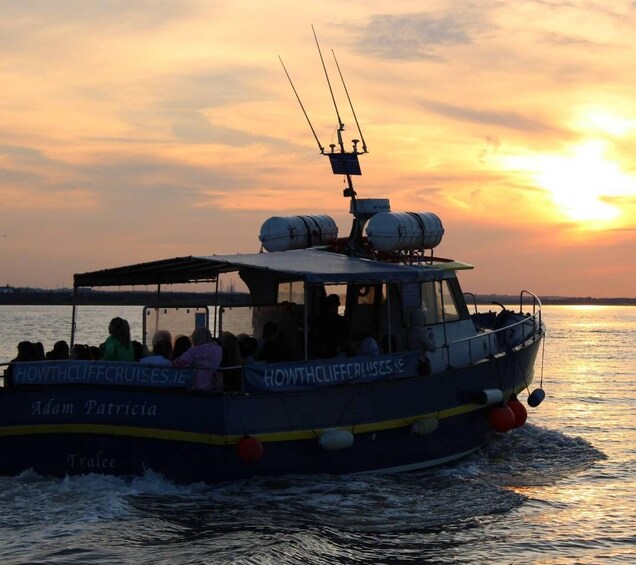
583, 184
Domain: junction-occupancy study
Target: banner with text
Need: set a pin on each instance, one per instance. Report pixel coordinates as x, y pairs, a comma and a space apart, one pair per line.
281, 377
109, 373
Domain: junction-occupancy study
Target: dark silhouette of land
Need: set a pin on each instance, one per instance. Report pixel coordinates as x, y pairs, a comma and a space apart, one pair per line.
32, 296
36, 296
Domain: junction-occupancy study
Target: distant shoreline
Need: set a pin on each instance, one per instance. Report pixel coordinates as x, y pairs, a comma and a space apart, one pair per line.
30, 297
120, 298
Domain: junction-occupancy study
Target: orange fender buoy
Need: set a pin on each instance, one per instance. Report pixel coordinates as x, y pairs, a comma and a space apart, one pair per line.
250, 449
501, 418
519, 410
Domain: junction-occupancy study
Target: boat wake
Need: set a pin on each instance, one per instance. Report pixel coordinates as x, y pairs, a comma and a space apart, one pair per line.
533, 456
270, 520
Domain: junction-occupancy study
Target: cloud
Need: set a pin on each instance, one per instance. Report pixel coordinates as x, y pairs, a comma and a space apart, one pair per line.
511, 120
23, 155
419, 36
209, 88
33, 14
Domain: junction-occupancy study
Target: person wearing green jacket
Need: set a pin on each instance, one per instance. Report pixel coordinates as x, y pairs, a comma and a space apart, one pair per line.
118, 346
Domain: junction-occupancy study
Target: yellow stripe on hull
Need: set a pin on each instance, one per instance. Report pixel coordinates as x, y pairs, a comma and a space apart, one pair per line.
217, 439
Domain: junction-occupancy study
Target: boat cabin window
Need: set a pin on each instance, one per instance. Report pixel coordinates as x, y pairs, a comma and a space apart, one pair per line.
439, 300
366, 294
293, 291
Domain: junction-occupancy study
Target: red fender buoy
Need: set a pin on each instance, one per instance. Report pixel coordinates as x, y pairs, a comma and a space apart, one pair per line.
519, 410
501, 418
250, 449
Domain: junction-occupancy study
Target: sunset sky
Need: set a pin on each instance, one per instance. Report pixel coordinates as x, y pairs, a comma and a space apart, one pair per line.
134, 131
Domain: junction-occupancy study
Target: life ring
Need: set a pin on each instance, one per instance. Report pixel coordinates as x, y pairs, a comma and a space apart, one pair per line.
363, 291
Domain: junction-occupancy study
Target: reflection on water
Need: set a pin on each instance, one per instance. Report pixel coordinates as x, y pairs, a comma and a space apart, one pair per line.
559, 490
49, 324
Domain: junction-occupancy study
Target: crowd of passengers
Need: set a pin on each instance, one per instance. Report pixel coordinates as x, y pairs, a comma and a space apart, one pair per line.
207, 354
200, 351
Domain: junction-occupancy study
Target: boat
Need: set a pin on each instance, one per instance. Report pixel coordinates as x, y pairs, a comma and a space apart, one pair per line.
350, 395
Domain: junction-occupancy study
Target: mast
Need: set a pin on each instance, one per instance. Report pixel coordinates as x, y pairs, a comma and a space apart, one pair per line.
345, 162
342, 162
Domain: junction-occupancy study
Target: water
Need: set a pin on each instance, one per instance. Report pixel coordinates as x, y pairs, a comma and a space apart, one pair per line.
560, 490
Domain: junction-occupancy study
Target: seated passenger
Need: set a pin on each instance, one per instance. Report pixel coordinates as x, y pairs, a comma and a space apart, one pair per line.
248, 346
39, 351
288, 325
94, 352
274, 349
181, 344
80, 352
205, 356
139, 350
368, 347
59, 352
26, 352
421, 339
332, 329
232, 378
161, 350
118, 346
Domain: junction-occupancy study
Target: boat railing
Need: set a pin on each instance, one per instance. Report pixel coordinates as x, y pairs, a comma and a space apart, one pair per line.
487, 344
536, 303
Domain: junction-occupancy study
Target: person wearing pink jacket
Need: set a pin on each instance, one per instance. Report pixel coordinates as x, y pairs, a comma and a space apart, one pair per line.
205, 356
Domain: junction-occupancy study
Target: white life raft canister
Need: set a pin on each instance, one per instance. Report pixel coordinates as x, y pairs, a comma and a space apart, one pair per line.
392, 231
297, 232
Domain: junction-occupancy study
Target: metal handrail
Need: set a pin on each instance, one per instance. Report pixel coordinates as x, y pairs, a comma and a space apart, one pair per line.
535, 301
535, 318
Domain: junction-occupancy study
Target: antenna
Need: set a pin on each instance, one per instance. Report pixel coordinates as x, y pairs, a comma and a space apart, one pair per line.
342, 162
364, 145
322, 149
340, 124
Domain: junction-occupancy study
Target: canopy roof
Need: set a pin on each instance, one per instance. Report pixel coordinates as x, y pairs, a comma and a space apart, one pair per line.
310, 265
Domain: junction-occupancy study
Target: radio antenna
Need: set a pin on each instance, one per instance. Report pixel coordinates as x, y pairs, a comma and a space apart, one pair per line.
340, 124
322, 149
355, 117
342, 162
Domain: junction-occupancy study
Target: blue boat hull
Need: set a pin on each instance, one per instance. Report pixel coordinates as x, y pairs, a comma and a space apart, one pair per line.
188, 436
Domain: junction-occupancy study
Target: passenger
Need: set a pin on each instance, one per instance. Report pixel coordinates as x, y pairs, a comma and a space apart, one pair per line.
161, 350
420, 339
332, 329
288, 325
248, 346
274, 349
205, 356
26, 352
39, 351
231, 358
118, 346
139, 350
59, 352
94, 353
181, 344
80, 352
368, 347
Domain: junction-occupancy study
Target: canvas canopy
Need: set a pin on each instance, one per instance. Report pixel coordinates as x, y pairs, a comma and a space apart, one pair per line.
310, 265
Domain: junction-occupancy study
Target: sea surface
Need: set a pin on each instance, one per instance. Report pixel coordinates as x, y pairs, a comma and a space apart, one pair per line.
560, 490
